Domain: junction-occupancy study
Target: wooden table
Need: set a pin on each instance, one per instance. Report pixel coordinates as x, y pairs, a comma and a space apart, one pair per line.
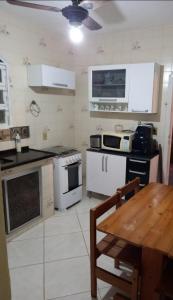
146, 221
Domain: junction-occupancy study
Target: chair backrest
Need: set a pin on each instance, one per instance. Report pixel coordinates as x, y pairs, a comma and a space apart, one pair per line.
131, 187
100, 209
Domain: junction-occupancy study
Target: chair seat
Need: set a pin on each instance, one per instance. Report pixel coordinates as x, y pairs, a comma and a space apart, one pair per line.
120, 250
110, 246
165, 286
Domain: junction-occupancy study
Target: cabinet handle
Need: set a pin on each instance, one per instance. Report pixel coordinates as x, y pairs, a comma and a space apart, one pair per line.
106, 164
138, 161
140, 111
135, 172
60, 84
103, 159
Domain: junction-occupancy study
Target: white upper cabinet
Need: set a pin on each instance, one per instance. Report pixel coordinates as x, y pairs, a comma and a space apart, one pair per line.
48, 76
143, 87
132, 88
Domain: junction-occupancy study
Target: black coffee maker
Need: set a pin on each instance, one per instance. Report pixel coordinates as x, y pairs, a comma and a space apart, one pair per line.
143, 142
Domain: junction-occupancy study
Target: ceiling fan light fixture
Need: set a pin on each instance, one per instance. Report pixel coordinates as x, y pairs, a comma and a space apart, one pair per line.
76, 35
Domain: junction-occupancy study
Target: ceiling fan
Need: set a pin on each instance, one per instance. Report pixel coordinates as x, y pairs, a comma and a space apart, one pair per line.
75, 13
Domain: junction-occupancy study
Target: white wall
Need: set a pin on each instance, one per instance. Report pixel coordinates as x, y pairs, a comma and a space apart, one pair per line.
67, 117
57, 111
155, 45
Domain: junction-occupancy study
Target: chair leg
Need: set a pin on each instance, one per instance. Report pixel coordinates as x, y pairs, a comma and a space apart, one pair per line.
93, 280
135, 283
93, 255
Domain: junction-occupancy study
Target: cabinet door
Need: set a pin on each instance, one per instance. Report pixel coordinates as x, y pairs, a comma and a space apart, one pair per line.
105, 173
58, 78
108, 83
141, 87
115, 168
95, 172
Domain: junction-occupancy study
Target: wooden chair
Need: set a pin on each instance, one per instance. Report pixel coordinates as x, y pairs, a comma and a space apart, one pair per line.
131, 188
112, 247
165, 286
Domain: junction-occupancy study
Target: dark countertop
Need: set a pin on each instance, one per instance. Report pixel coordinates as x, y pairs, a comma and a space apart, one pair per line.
26, 156
127, 154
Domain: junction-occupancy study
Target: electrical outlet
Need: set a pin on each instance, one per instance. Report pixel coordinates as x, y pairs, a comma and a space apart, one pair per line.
14, 131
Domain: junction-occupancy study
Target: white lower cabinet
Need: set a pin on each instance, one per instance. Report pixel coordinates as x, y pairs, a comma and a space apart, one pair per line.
105, 172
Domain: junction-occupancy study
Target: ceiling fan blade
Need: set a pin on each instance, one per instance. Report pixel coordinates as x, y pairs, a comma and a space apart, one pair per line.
91, 24
34, 5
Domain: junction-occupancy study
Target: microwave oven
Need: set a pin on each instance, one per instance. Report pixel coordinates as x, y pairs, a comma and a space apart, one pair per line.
117, 141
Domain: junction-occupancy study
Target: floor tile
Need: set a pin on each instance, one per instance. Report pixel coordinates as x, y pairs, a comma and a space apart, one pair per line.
64, 246
35, 232
25, 252
67, 277
61, 225
84, 220
27, 283
86, 204
86, 234
66, 212
81, 296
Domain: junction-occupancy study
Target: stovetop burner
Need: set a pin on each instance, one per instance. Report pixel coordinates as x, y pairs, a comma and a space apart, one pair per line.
61, 150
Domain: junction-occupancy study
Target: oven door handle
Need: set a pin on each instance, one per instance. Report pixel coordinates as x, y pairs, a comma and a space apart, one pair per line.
72, 165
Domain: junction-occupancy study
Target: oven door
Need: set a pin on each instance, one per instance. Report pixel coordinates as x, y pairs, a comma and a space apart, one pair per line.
72, 177
111, 142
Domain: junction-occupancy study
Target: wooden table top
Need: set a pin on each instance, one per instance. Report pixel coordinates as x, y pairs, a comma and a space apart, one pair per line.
146, 220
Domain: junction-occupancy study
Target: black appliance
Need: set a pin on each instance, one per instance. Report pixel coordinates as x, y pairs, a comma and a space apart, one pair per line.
22, 198
143, 142
95, 141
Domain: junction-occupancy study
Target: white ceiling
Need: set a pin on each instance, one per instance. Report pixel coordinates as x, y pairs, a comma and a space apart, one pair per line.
112, 15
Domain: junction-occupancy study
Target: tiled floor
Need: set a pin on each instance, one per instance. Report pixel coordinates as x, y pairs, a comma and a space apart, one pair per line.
51, 260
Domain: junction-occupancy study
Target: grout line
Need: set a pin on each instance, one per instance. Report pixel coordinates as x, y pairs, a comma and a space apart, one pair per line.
83, 236
68, 295
26, 239
26, 266
58, 235
68, 258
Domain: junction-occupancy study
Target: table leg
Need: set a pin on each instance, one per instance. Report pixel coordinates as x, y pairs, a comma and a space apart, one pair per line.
151, 272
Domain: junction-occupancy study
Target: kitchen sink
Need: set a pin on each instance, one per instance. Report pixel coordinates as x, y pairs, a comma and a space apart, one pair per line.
5, 161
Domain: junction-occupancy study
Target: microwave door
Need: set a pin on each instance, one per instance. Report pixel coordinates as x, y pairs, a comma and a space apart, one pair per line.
112, 142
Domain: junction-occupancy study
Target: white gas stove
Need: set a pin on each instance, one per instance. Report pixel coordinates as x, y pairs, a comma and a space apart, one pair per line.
67, 176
